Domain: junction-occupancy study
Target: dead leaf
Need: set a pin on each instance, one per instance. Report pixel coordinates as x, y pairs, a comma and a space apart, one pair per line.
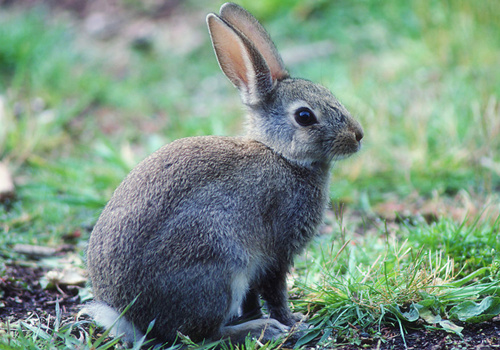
7, 189
67, 277
34, 250
70, 276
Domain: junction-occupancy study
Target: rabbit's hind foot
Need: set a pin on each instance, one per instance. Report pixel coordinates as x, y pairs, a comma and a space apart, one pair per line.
263, 329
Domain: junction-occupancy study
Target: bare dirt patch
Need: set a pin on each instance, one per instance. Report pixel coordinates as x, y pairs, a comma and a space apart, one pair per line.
22, 295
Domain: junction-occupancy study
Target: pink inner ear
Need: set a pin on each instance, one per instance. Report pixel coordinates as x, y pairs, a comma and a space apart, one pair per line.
230, 52
235, 60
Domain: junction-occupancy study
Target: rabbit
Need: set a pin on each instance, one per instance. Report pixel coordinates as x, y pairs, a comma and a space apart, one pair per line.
205, 227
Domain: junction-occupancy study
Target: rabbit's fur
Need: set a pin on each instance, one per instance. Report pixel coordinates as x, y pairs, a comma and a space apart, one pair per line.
206, 226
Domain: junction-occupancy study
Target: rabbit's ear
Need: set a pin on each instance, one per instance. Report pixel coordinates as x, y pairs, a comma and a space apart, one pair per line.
240, 60
248, 25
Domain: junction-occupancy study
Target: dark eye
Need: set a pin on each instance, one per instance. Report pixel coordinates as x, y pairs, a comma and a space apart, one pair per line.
305, 117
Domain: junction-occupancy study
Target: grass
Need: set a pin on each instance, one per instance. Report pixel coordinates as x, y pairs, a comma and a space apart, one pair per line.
418, 273
422, 78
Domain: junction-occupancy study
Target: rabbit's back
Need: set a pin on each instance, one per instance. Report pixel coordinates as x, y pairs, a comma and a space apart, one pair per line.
201, 218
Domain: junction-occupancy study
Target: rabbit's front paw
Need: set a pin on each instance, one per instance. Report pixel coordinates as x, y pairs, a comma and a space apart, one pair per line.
297, 331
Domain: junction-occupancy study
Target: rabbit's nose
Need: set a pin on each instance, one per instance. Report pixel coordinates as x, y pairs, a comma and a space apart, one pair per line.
359, 134
356, 128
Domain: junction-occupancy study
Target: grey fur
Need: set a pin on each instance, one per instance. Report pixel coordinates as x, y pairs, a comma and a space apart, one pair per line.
205, 226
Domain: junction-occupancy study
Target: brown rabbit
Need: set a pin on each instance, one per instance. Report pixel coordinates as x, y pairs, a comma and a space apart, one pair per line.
205, 227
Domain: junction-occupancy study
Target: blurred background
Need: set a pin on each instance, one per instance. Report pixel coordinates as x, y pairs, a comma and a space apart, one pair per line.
89, 88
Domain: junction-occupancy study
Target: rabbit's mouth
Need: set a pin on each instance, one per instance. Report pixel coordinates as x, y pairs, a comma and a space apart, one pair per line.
343, 147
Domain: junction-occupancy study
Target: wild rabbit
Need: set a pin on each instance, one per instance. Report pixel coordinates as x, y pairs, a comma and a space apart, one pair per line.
205, 227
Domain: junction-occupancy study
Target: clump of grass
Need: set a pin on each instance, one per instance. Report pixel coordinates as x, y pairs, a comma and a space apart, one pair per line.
377, 280
473, 246
53, 333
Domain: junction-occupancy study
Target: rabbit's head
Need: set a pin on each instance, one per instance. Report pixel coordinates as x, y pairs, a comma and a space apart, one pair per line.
296, 118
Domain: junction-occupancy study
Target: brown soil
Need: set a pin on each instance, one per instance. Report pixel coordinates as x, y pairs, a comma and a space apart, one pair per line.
21, 295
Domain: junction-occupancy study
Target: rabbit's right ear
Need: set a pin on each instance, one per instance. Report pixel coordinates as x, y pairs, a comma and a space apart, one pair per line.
250, 27
241, 62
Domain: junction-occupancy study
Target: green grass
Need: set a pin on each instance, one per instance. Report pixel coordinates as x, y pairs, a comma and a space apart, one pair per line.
424, 272
421, 76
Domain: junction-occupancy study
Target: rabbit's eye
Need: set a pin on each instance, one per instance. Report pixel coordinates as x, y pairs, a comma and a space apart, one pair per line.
305, 117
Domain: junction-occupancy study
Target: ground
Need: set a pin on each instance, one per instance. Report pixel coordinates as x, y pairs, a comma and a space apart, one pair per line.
24, 298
